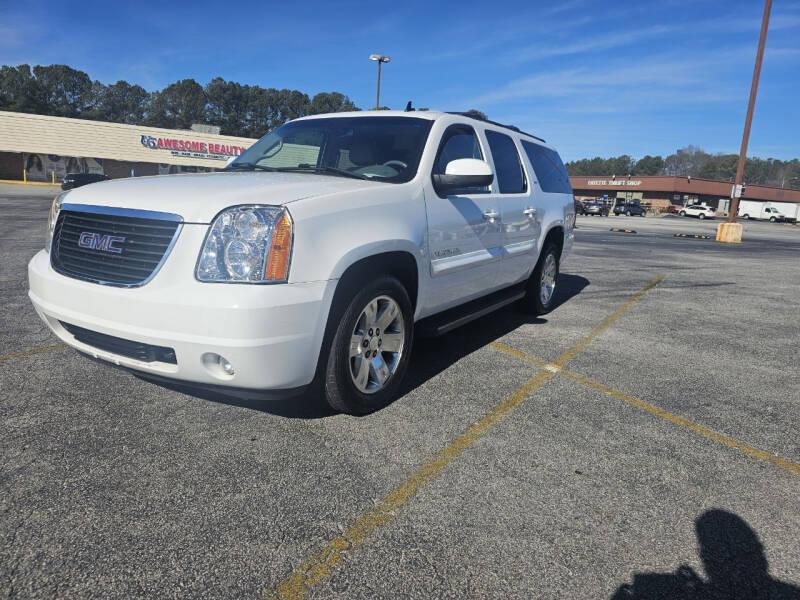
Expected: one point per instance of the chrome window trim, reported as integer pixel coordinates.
(124, 212)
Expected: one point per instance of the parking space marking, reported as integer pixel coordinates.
(321, 564)
(783, 463)
(31, 351)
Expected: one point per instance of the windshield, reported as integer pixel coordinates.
(376, 148)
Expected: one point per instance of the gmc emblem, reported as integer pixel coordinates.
(95, 241)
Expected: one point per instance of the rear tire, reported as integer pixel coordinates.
(363, 377)
(540, 296)
(701, 216)
(628, 214)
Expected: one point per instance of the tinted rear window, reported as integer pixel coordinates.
(549, 169)
(510, 176)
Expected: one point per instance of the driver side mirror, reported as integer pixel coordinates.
(463, 173)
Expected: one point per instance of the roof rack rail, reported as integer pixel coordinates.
(511, 127)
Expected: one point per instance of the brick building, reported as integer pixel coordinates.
(660, 192)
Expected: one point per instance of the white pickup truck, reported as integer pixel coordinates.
(310, 261)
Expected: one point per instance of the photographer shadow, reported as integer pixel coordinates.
(734, 561)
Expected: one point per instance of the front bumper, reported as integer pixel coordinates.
(271, 334)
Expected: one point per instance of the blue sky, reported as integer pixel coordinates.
(594, 78)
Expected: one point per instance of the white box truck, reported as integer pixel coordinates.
(764, 211)
(790, 210)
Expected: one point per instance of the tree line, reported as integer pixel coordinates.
(240, 110)
(693, 161)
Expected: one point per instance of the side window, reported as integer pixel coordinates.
(457, 142)
(510, 176)
(549, 169)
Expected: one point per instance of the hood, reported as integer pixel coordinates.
(198, 197)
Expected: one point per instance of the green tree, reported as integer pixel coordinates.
(67, 91)
(649, 165)
(228, 106)
(20, 91)
(476, 114)
(332, 102)
(178, 105)
(121, 102)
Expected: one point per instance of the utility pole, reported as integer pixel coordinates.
(749, 118)
(380, 59)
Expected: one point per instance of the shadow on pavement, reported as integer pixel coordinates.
(429, 358)
(433, 355)
(734, 561)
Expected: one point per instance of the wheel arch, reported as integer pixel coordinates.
(556, 235)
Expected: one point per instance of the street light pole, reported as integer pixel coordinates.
(749, 118)
(380, 59)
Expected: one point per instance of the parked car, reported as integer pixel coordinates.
(313, 259)
(630, 209)
(595, 208)
(74, 180)
(700, 211)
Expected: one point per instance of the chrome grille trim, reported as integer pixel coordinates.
(89, 270)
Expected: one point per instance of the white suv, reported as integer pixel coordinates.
(313, 258)
(701, 211)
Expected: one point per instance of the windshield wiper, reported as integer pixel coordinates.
(322, 169)
(245, 166)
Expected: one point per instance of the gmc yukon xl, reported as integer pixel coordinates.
(312, 259)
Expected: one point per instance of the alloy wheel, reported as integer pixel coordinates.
(376, 344)
(547, 285)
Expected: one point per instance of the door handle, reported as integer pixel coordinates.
(490, 215)
(529, 211)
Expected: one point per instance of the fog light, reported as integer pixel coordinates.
(226, 366)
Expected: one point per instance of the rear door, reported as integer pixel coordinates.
(464, 229)
(521, 229)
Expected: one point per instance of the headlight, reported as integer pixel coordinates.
(55, 207)
(247, 244)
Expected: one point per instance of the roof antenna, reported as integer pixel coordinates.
(409, 108)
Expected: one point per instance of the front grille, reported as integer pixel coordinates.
(111, 246)
(123, 347)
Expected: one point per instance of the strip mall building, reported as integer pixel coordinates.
(660, 192)
(44, 148)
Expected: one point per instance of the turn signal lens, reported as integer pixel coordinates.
(280, 249)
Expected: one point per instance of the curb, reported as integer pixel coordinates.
(693, 236)
(29, 183)
(618, 230)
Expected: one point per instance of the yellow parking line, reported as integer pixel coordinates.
(321, 564)
(31, 351)
(788, 465)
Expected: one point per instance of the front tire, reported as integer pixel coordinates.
(540, 296)
(772, 219)
(701, 216)
(683, 213)
(370, 350)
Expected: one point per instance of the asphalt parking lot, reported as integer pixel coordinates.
(639, 441)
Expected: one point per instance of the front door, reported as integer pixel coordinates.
(464, 229)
